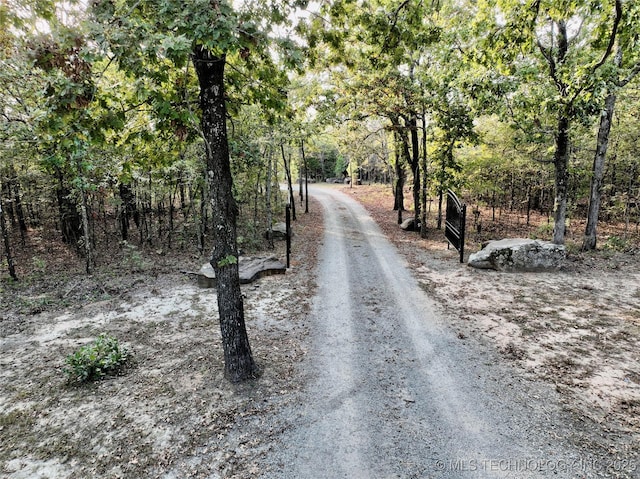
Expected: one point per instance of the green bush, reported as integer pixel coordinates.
(616, 243)
(95, 360)
(542, 232)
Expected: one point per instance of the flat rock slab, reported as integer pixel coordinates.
(251, 268)
(519, 254)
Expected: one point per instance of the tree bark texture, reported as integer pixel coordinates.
(7, 244)
(70, 223)
(287, 171)
(425, 177)
(561, 163)
(86, 234)
(239, 363)
(269, 155)
(398, 204)
(595, 196)
(14, 186)
(415, 165)
(306, 178)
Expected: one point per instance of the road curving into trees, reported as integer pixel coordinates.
(392, 391)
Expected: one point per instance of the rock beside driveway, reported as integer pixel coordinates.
(519, 254)
(250, 269)
(410, 224)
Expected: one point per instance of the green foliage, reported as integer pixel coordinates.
(543, 232)
(227, 261)
(616, 243)
(39, 264)
(131, 257)
(104, 356)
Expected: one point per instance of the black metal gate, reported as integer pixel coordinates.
(455, 223)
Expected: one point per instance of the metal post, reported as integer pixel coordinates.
(288, 232)
(463, 227)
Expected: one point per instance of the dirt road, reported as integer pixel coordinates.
(394, 392)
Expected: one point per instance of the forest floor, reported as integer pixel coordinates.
(171, 414)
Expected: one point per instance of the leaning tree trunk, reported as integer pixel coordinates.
(239, 363)
(589, 241)
(561, 163)
(604, 130)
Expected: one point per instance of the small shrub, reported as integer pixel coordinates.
(39, 265)
(95, 360)
(616, 243)
(542, 232)
(131, 256)
(573, 248)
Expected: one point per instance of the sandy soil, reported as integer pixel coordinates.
(172, 415)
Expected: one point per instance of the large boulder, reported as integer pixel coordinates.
(250, 269)
(410, 224)
(519, 254)
(279, 231)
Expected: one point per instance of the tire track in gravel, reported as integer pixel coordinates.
(393, 392)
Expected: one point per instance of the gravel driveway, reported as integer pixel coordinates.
(394, 392)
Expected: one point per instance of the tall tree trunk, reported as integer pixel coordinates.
(423, 209)
(606, 117)
(86, 233)
(398, 204)
(8, 209)
(440, 201)
(268, 200)
(415, 165)
(201, 219)
(239, 363)
(68, 213)
(6, 242)
(84, 215)
(128, 209)
(17, 201)
(561, 163)
(595, 196)
(256, 198)
(172, 198)
(446, 160)
(300, 191)
(306, 178)
(287, 171)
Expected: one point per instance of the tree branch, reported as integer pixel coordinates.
(634, 72)
(612, 37)
(393, 25)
